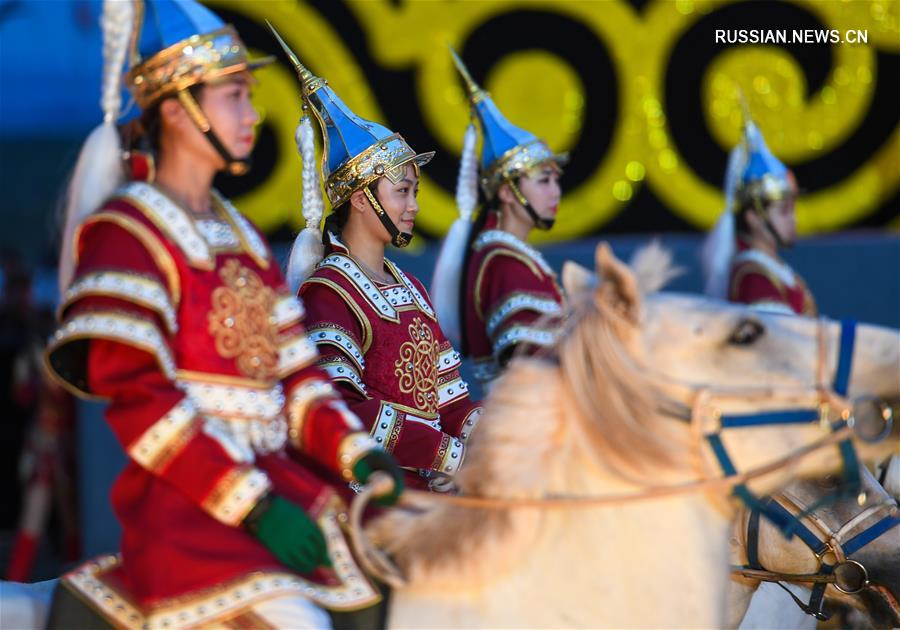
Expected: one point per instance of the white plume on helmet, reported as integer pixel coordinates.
(98, 172)
(445, 284)
(307, 250)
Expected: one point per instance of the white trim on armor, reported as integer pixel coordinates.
(126, 329)
(344, 371)
(779, 269)
(421, 302)
(254, 244)
(471, 421)
(448, 360)
(141, 290)
(301, 398)
(521, 302)
(244, 438)
(489, 237)
(235, 495)
(233, 400)
(448, 392)
(294, 354)
(385, 301)
(519, 333)
(288, 310)
(399, 296)
(384, 425)
(161, 440)
(453, 457)
(347, 267)
(172, 220)
(218, 233)
(341, 339)
(205, 607)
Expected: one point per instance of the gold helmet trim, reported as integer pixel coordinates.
(197, 59)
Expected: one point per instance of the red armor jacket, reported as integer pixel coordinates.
(767, 283)
(514, 297)
(186, 327)
(381, 344)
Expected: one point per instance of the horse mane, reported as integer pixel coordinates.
(595, 396)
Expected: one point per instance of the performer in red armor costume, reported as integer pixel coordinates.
(373, 324)
(741, 254)
(176, 313)
(495, 292)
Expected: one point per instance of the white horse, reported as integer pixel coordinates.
(623, 407)
(837, 524)
(603, 419)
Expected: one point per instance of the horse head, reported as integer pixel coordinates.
(707, 359)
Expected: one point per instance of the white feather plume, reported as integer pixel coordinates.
(307, 250)
(467, 180)
(448, 271)
(98, 172)
(719, 246)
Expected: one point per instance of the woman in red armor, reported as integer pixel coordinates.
(175, 312)
(374, 325)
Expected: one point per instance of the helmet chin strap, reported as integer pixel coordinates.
(764, 216)
(233, 165)
(398, 238)
(539, 222)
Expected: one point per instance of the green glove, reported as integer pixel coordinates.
(285, 529)
(377, 459)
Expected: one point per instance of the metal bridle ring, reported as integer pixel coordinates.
(871, 420)
(850, 577)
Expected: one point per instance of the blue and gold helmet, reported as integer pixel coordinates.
(356, 152)
(179, 43)
(507, 151)
(760, 177)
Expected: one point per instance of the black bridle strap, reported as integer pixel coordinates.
(753, 541)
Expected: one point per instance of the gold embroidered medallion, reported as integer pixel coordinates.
(240, 322)
(417, 366)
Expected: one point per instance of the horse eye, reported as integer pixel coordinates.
(746, 332)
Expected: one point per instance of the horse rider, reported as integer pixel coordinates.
(176, 313)
(494, 290)
(741, 253)
(374, 324)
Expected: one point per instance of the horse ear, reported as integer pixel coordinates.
(577, 279)
(618, 287)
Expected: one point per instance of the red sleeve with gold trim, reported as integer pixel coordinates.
(342, 339)
(754, 286)
(514, 296)
(319, 423)
(114, 343)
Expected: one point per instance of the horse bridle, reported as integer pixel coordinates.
(848, 576)
(831, 551)
(839, 432)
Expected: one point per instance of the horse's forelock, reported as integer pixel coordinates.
(602, 366)
(653, 267)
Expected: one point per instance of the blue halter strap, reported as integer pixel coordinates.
(850, 474)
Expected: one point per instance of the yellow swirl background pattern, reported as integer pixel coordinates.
(414, 35)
